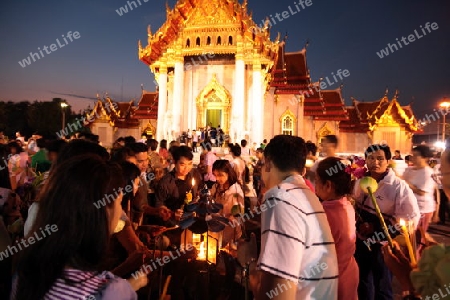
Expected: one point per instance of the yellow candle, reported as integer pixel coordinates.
(408, 242)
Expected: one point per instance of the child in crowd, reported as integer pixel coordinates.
(227, 192)
(332, 188)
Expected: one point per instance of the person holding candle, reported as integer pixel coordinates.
(228, 192)
(432, 276)
(173, 188)
(332, 189)
(395, 200)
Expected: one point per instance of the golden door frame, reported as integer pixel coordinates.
(322, 132)
(214, 96)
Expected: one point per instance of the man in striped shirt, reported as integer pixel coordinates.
(298, 256)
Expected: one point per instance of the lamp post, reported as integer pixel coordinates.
(445, 105)
(63, 105)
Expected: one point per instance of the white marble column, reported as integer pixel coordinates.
(178, 96)
(238, 106)
(191, 98)
(162, 102)
(257, 108)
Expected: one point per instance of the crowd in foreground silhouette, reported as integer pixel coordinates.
(318, 233)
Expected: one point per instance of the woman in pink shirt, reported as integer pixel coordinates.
(332, 186)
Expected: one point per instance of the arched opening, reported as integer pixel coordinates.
(288, 121)
(230, 40)
(287, 125)
(197, 41)
(219, 41)
(188, 43)
(208, 41)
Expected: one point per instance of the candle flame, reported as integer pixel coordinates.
(402, 222)
(193, 181)
(202, 251)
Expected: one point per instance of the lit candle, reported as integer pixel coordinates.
(408, 242)
(193, 182)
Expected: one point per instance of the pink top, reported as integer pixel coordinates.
(310, 185)
(341, 217)
(164, 153)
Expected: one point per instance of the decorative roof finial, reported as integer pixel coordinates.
(307, 43)
(386, 91)
(397, 93)
(149, 30)
(244, 6)
(167, 8)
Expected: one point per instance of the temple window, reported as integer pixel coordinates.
(208, 41)
(197, 41)
(287, 125)
(188, 43)
(287, 121)
(219, 40)
(230, 40)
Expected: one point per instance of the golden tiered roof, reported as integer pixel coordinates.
(198, 27)
(367, 116)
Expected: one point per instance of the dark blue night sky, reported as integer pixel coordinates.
(342, 35)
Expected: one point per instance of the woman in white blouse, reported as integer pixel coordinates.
(420, 180)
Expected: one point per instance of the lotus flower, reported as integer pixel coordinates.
(368, 182)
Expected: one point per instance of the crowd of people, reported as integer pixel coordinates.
(320, 236)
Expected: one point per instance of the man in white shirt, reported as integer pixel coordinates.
(245, 151)
(298, 256)
(329, 145)
(396, 200)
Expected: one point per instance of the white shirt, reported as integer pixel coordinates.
(423, 180)
(238, 165)
(296, 240)
(394, 197)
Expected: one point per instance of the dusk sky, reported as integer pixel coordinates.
(342, 35)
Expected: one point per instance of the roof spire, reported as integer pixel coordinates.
(397, 93)
(386, 91)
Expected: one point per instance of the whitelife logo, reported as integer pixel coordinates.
(411, 38)
(124, 9)
(53, 47)
(30, 239)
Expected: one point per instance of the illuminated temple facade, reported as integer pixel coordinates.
(214, 65)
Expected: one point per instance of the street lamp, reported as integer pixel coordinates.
(63, 105)
(444, 105)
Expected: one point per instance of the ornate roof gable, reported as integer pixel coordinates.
(194, 27)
